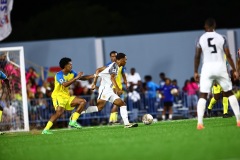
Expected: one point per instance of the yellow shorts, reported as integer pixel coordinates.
(64, 102)
(217, 89)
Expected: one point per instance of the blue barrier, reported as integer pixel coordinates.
(40, 110)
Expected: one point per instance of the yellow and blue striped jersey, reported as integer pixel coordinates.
(59, 89)
(119, 78)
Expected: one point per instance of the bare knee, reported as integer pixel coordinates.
(119, 102)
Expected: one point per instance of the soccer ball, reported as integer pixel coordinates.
(147, 119)
(174, 91)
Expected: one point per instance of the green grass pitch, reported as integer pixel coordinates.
(175, 140)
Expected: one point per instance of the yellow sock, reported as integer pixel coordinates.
(111, 117)
(212, 102)
(48, 126)
(115, 116)
(0, 115)
(75, 116)
(225, 105)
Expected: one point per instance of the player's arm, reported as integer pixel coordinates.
(230, 61)
(68, 83)
(96, 76)
(197, 59)
(87, 77)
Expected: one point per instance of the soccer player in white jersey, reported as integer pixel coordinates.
(213, 46)
(108, 80)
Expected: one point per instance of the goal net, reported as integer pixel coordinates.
(14, 103)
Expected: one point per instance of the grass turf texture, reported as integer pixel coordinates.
(163, 140)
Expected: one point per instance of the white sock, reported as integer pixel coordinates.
(90, 109)
(170, 116)
(124, 114)
(235, 106)
(163, 117)
(201, 105)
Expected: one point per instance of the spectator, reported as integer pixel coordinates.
(134, 79)
(134, 97)
(31, 74)
(167, 98)
(77, 89)
(9, 115)
(162, 79)
(191, 89)
(151, 92)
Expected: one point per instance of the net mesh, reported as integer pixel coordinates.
(13, 117)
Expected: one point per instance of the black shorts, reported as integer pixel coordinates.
(167, 104)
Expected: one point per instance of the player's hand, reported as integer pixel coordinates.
(79, 75)
(126, 85)
(236, 75)
(196, 77)
(93, 86)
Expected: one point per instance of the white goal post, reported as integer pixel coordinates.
(19, 63)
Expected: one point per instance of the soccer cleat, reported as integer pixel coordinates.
(209, 113)
(74, 124)
(46, 132)
(1, 133)
(238, 123)
(226, 115)
(200, 126)
(131, 125)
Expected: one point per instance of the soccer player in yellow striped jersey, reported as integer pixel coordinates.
(217, 90)
(61, 98)
(120, 76)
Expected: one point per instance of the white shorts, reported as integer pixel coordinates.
(107, 94)
(214, 72)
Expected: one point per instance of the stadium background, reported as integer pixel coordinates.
(172, 53)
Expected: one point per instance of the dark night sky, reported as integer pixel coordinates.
(53, 19)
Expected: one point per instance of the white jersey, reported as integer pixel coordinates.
(214, 63)
(106, 75)
(212, 45)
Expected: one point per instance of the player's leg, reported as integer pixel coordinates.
(205, 86)
(214, 99)
(234, 104)
(201, 105)
(114, 112)
(54, 117)
(225, 108)
(170, 111)
(79, 103)
(164, 111)
(123, 110)
(1, 111)
(226, 85)
(113, 115)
